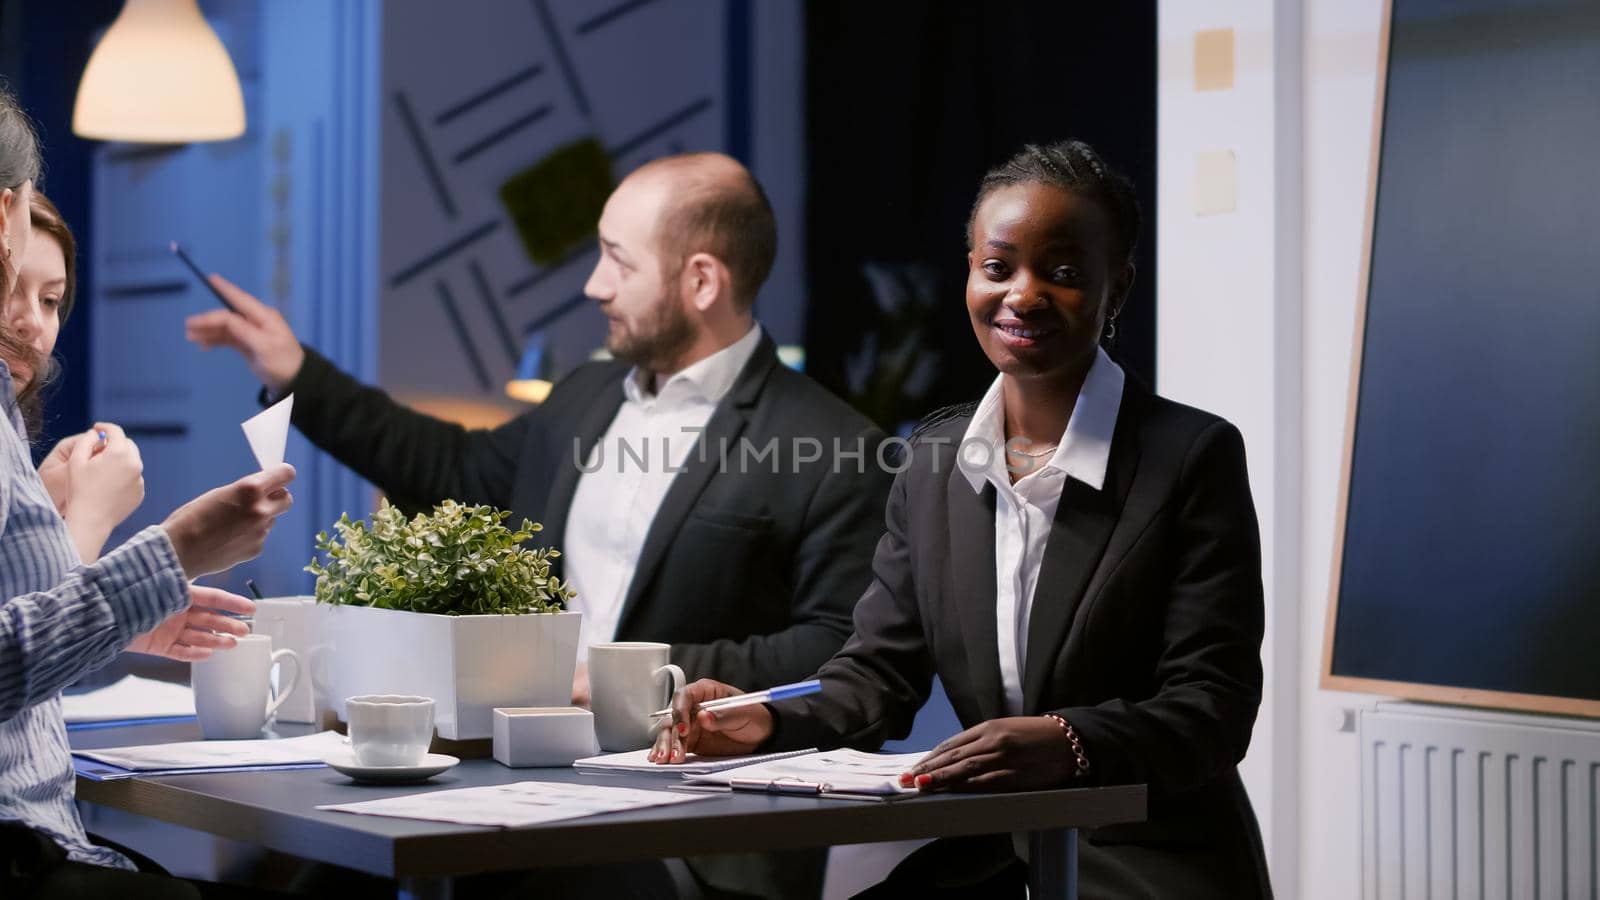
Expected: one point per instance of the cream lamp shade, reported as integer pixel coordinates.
(532, 383)
(160, 76)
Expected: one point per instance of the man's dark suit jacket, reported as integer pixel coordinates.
(750, 575)
(1145, 635)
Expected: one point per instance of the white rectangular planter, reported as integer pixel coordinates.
(468, 664)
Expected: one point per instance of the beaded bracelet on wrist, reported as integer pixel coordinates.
(1080, 761)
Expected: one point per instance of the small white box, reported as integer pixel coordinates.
(543, 735)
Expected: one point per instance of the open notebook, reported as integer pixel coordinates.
(841, 773)
(638, 761)
(845, 773)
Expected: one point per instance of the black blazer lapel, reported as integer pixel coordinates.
(705, 460)
(591, 425)
(972, 585)
(1083, 524)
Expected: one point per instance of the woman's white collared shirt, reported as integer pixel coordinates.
(1024, 511)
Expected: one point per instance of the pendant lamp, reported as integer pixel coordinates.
(161, 76)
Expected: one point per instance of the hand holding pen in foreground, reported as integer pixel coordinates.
(770, 695)
(726, 732)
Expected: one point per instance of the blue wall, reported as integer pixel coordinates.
(46, 67)
(292, 202)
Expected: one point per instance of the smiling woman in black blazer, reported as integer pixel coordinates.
(1076, 558)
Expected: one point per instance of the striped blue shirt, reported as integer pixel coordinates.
(60, 619)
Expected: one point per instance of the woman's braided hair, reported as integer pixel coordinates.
(1073, 166)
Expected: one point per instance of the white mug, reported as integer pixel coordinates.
(232, 689)
(389, 729)
(625, 687)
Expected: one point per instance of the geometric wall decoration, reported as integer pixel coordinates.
(477, 104)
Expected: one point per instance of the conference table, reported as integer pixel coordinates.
(277, 810)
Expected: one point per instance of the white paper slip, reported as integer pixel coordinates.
(825, 772)
(203, 755)
(515, 805)
(639, 761)
(268, 432)
(129, 699)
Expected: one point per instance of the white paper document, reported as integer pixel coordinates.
(829, 771)
(204, 755)
(129, 699)
(268, 432)
(639, 761)
(515, 805)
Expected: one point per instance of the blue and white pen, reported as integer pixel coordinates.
(770, 695)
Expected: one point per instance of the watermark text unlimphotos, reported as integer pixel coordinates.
(647, 454)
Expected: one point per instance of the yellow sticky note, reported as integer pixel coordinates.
(1213, 59)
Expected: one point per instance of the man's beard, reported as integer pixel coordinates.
(658, 340)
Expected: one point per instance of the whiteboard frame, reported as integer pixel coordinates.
(1539, 703)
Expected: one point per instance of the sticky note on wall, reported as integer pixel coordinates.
(1216, 183)
(1213, 59)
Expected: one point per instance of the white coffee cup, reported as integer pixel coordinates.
(625, 687)
(233, 689)
(389, 729)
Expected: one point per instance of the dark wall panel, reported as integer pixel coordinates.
(909, 103)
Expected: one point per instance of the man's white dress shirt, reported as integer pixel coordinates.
(627, 475)
(1023, 511)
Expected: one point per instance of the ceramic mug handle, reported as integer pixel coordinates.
(675, 680)
(278, 657)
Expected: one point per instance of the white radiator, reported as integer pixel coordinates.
(1464, 804)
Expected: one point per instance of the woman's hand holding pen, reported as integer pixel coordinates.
(729, 732)
(105, 478)
(95, 479)
(77, 451)
(1020, 753)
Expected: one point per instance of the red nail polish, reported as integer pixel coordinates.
(907, 779)
(924, 780)
(683, 727)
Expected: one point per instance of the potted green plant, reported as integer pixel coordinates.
(448, 605)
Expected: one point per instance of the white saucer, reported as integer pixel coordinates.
(345, 763)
